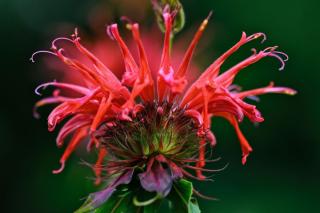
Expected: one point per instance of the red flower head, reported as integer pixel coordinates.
(153, 128)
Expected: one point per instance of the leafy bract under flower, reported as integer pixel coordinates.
(157, 126)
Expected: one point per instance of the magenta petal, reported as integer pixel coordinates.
(157, 179)
(98, 198)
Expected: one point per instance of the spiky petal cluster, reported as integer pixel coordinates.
(107, 101)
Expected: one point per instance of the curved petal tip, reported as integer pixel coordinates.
(57, 171)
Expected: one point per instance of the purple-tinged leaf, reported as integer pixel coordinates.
(98, 198)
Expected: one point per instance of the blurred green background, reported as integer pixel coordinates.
(282, 174)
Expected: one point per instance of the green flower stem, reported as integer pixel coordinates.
(147, 202)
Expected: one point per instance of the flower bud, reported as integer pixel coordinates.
(175, 7)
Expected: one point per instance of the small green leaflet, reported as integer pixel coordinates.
(193, 206)
(181, 200)
(117, 203)
(152, 208)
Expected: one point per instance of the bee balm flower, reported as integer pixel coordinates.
(151, 130)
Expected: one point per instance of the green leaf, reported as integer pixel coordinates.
(180, 196)
(119, 202)
(181, 200)
(193, 206)
(153, 208)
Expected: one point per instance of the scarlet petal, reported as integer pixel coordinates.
(76, 139)
(210, 75)
(211, 72)
(103, 107)
(57, 171)
(73, 87)
(46, 101)
(199, 174)
(245, 146)
(268, 89)
(195, 115)
(211, 137)
(98, 165)
(132, 69)
(144, 86)
(73, 124)
(59, 113)
(165, 64)
(177, 81)
(202, 152)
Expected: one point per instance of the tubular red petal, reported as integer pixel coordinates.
(188, 55)
(179, 79)
(202, 151)
(144, 86)
(205, 108)
(268, 89)
(165, 58)
(212, 139)
(221, 108)
(213, 70)
(227, 77)
(73, 87)
(103, 107)
(197, 117)
(98, 166)
(76, 139)
(107, 78)
(46, 101)
(132, 69)
(199, 174)
(245, 146)
(57, 171)
(59, 113)
(108, 81)
(73, 124)
(88, 74)
(70, 107)
(105, 72)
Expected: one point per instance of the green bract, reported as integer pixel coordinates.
(173, 5)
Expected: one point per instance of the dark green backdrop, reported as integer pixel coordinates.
(282, 174)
